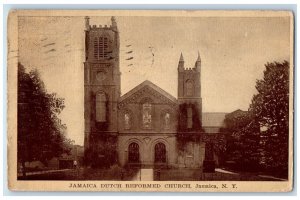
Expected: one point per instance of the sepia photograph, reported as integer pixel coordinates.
(186, 101)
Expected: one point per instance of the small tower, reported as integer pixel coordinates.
(189, 95)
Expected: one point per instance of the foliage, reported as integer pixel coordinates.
(182, 127)
(104, 154)
(259, 137)
(219, 146)
(242, 140)
(271, 108)
(41, 135)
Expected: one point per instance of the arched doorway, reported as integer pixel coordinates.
(160, 153)
(133, 153)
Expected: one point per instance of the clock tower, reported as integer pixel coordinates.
(101, 83)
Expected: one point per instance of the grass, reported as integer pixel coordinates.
(198, 175)
(119, 174)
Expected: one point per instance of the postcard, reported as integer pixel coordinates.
(149, 100)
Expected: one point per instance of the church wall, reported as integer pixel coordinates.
(158, 125)
(147, 144)
(191, 154)
(161, 129)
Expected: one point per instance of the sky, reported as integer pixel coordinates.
(233, 52)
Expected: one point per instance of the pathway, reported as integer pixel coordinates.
(143, 175)
(272, 177)
(224, 171)
(44, 172)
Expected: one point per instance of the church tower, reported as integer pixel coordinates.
(101, 83)
(189, 96)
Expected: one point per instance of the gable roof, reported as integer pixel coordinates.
(151, 85)
(213, 119)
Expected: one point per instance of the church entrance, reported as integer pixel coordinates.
(133, 153)
(160, 153)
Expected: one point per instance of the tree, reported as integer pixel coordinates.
(40, 131)
(104, 155)
(260, 136)
(271, 108)
(243, 140)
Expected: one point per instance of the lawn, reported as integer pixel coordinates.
(198, 175)
(119, 174)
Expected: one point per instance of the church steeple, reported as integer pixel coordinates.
(181, 63)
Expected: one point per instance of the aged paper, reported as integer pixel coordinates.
(175, 101)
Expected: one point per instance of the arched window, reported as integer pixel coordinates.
(100, 48)
(189, 117)
(160, 153)
(147, 115)
(127, 121)
(133, 153)
(101, 107)
(189, 88)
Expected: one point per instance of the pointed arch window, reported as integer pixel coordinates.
(189, 88)
(101, 47)
(101, 107)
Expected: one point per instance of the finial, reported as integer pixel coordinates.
(113, 21)
(198, 62)
(87, 23)
(181, 57)
(198, 59)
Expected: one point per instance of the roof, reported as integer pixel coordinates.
(213, 119)
(151, 85)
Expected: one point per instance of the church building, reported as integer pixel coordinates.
(146, 126)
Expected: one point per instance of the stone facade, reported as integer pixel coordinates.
(146, 126)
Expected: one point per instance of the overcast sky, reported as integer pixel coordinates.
(233, 52)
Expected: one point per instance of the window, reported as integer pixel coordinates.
(133, 153)
(96, 48)
(100, 48)
(127, 121)
(189, 88)
(147, 117)
(189, 117)
(160, 153)
(100, 107)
